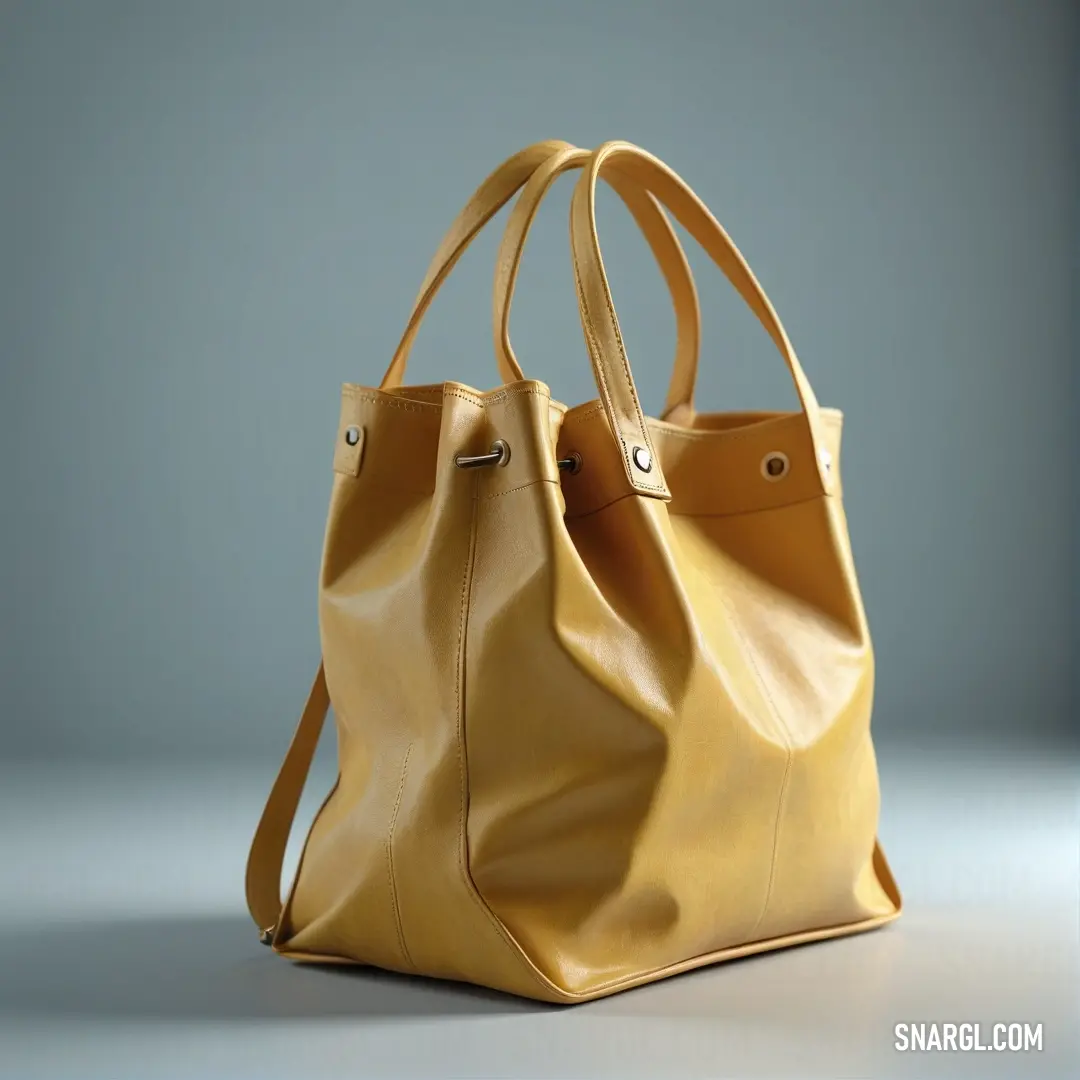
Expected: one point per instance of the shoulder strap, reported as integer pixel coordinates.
(267, 854)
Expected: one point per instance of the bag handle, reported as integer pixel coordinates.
(486, 202)
(601, 326)
(488, 199)
(661, 237)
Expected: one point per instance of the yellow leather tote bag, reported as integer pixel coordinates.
(602, 683)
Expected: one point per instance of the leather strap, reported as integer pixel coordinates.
(601, 326)
(267, 854)
(661, 237)
(486, 202)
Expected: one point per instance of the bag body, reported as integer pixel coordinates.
(602, 683)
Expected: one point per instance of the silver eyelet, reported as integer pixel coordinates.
(775, 466)
(570, 464)
(642, 458)
(352, 435)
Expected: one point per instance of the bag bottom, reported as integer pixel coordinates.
(559, 996)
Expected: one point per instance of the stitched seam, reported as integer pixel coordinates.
(596, 349)
(498, 398)
(503, 395)
(393, 403)
(589, 513)
(465, 397)
(431, 391)
(642, 428)
(390, 861)
(571, 421)
(718, 436)
(590, 334)
(781, 803)
(411, 405)
(754, 510)
(747, 949)
(615, 427)
(520, 487)
(781, 728)
(463, 767)
(766, 423)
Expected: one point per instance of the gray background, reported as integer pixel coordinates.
(213, 213)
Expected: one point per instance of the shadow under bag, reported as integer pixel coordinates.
(602, 682)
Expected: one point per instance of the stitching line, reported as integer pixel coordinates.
(753, 509)
(426, 396)
(709, 514)
(719, 437)
(571, 419)
(720, 955)
(520, 487)
(412, 405)
(393, 403)
(754, 428)
(504, 395)
(642, 427)
(781, 803)
(781, 727)
(390, 861)
(590, 334)
(589, 513)
(464, 397)
(470, 885)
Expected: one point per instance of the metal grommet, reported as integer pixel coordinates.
(775, 465)
(352, 435)
(642, 458)
(503, 448)
(571, 463)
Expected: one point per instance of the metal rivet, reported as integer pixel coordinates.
(775, 465)
(642, 458)
(352, 435)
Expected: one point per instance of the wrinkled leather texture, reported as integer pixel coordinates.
(594, 727)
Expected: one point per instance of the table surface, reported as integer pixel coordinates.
(126, 951)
